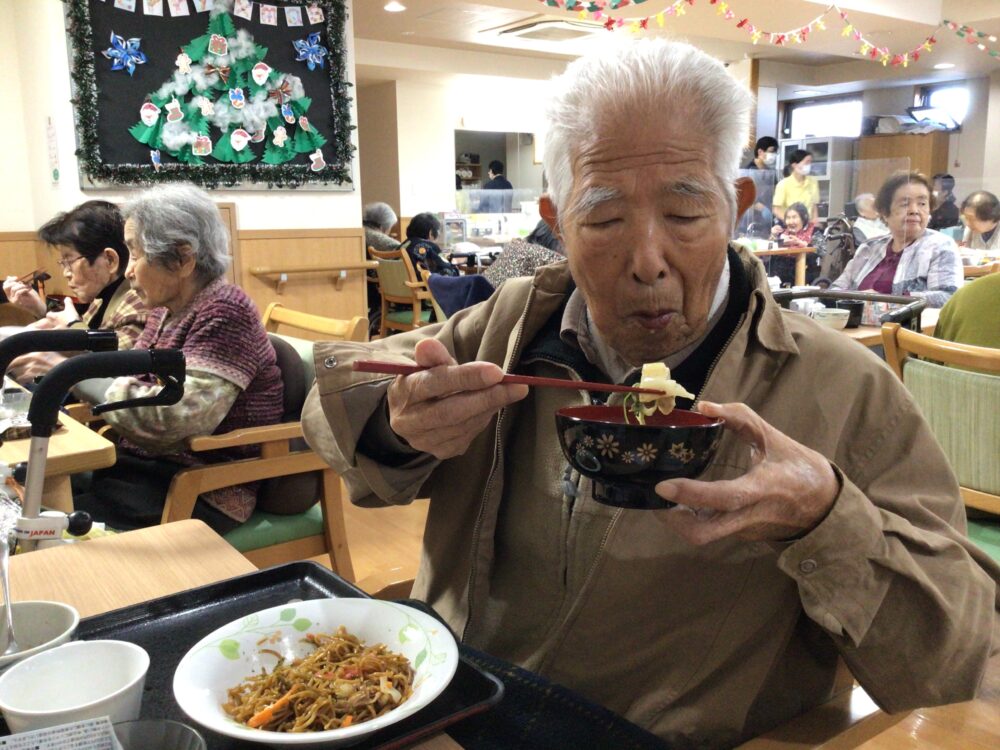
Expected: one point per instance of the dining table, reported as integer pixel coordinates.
(800, 254)
(872, 335)
(73, 448)
(108, 573)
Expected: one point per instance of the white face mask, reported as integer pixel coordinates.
(803, 169)
(770, 159)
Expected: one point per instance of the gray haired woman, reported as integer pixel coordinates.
(178, 252)
(378, 219)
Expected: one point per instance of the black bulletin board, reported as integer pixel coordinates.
(107, 102)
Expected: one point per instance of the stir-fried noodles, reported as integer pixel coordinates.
(342, 682)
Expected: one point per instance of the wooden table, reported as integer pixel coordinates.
(103, 574)
(112, 572)
(800, 254)
(872, 335)
(72, 448)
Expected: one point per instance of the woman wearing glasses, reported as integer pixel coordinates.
(90, 241)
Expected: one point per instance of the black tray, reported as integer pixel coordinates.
(169, 626)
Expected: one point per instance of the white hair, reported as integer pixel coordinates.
(644, 78)
(167, 217)
(863, 200)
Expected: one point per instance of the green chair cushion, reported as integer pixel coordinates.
(406, 316)
(961, 408)
(986, 534)
(266, 529)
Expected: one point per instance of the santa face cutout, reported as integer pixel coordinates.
(239, 139)
(174, 113)
(202, 146)
(149, 113)
(260, 73)
(316, 157)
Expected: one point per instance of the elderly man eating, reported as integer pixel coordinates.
(829, 523)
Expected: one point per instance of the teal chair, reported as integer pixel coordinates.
(300, 506)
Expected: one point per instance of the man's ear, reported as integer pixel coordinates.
(550, 214)
(114, 262)
(746, 193)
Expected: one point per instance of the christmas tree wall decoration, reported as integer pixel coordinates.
(223, 100)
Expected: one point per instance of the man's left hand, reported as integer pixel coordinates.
(787, 492)
(27, 367)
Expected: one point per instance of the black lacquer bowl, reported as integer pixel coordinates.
(626, 460)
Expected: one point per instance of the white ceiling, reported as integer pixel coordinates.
(826, 62)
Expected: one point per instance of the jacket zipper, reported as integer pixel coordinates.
(711, 369)
(493, 469)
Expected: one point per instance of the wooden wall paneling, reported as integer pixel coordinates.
(927, 153)
(23, 252)
(231, 220)
(314, 292)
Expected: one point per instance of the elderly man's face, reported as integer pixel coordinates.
(646, 229)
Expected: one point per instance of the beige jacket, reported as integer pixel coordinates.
(702, 645)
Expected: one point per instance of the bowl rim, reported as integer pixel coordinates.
(144, 656)
(713, 421)
(36, 604)
(355, 731)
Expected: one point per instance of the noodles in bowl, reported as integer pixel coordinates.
(342, 682)
(301, 669)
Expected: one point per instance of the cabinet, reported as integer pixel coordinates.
(831, 166)
(470, 174)
(881, 155)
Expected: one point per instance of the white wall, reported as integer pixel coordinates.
(16, 209)
(42, 66)
(891, 101)
(767, 111)
(522, 171)
(426, 148)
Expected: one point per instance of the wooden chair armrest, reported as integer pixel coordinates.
(416, 284)
(81, 412)
(248, 436)
(394, 583)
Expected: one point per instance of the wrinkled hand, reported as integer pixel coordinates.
(788, 491)
(62, 319)
(23, 295)
(441, 410)
(776, 231)
(27, 367)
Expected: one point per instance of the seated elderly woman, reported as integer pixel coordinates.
(521, 257)
(377, 220)
(981, 214)
(912, 259)
(421, 243)
(178, 253)
(92, 255)
(797, 232)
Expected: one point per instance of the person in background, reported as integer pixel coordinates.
(972, 315)
(797, 186)
(178, 254)
(758, 220)
(377, 220)
(798, 232)
(421, 243)
(500, 195)
(912, 259)
(521, 257)
(93, 257)
(981, 214)
(827, 527)
(869, 223)
(945, 213)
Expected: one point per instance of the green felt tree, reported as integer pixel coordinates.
(222, 93)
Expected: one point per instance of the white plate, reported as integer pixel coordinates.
(226, 657)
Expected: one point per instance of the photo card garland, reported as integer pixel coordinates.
(221, 100)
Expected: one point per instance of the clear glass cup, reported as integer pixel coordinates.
(158, 734)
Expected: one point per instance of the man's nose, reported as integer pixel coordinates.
(649, 260)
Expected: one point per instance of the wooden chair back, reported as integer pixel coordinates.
(277, 315)
(399, 285)
(438, 312)
(954, 401)
(974, 272)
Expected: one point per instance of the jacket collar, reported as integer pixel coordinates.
(553, 284)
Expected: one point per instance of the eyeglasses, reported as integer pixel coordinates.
(66, 265)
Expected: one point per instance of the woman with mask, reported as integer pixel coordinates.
(798, 186)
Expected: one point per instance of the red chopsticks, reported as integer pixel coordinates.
(394, 368)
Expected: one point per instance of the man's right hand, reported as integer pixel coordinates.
(24, 296)
(440, 410)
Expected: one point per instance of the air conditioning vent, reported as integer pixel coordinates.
(551, 30)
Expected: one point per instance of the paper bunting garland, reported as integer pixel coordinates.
(598, 10)
(310, 51)
(125, 55)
